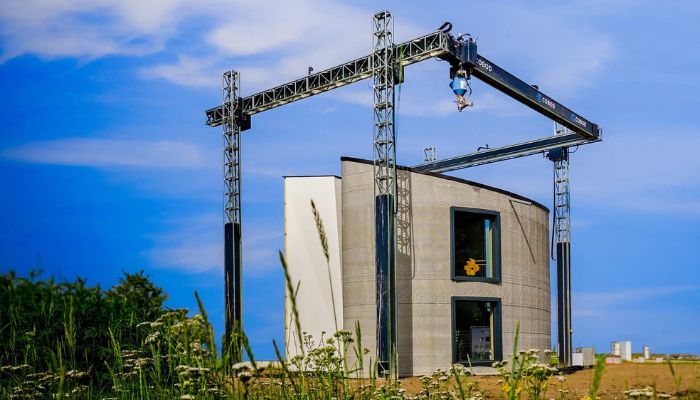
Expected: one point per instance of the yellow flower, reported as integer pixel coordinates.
(471, 267)
(505, 388)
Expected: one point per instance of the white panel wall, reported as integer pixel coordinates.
(305, 258)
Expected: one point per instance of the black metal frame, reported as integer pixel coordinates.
(532, 97)
(232, 289)
(496, 335)
(496, 245)
(509, 152)
(564, 344)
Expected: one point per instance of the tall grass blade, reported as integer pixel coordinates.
(597, 376)
(293, 300)
(285, 369)
(246, 345)
(211, 343)
(324, 245)
(677, 378)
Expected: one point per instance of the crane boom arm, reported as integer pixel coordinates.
(437, 44)
(507, 83)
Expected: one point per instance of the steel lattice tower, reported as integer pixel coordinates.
(562, 239)
(384, 139)
(232, 210)
(383, 72)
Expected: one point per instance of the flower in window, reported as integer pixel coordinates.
(471, 267)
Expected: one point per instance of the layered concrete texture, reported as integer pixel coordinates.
(319, 294)
(425, 288)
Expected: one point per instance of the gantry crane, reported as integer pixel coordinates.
(385, 66)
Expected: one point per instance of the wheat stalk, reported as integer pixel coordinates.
(324, 245)
(321, 230)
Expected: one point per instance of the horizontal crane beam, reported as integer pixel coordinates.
(439, 44)
(504, 153)
(507, 83)
(433, 45)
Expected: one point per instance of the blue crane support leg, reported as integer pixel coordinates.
(232, 290)
(385, 278)
(564, 302)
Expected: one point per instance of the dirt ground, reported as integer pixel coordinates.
(616, 379)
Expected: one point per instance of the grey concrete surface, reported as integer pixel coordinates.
(424, 283)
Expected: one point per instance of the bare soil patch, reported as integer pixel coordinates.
(616, 379)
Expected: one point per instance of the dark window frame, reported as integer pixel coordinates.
(496, 335)
(496, 227)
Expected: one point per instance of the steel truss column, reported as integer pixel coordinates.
(562, 239)
(383, 71)
(232, 211)
(383, 68)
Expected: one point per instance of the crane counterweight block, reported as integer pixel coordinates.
(216, 115)
(559, 153)
(244, 120)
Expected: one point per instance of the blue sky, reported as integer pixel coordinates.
(106, 164)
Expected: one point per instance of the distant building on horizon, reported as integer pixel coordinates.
(622, 349)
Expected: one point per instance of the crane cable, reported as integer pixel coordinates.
(554, 214)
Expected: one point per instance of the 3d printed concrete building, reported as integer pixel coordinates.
(471, 261)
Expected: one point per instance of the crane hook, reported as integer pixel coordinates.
(462, 90)
(446, 27)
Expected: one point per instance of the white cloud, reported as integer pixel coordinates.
(87, 29)
(568, 51)
(649, 170)
(624, 296)
(110, 153)
(425, 99)
(586, 50)
(641, 171)
(255, 27)
(191, 245)
(195, 245)
(499, 104)
(189, 258)
(187, 71)
(271, 44)
(592, 304)
(576, 70)
(408, 106)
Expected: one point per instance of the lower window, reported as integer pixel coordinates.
(476, 330)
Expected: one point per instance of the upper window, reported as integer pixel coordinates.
(475, 245)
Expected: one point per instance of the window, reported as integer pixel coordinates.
(475, 245)
(476, 326)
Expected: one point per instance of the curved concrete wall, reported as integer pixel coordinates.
(424, 285)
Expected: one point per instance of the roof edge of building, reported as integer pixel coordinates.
(311, 176)
(455, 179)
